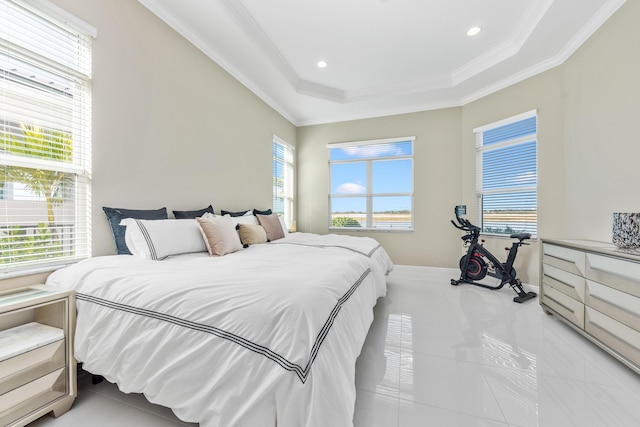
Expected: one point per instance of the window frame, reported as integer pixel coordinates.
(369, 195)
(505, 144)
(289, 186)
(47, 121)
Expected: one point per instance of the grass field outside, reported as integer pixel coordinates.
(380, 220)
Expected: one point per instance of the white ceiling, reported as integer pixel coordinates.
(384, 56)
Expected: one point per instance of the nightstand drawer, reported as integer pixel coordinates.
(31, 365)
(614, 334)
(567, 307)
(23, 400)
(563, 281)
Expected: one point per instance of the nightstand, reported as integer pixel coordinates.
(37, 367)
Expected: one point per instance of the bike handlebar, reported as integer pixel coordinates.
(457, 226)
(465, 224)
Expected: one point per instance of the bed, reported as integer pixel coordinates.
(265, 336)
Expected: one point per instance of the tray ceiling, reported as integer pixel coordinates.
(383, 56)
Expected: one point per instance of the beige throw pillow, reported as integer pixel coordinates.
(271, 224)
(252, 234)
(220, 235)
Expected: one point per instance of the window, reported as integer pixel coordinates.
(507, 175)
(45, 131)
(371, 184)
(283, 187)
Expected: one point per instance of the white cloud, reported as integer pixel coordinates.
(351, 188)
(376, 150)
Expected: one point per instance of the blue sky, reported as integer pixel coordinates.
(388, 176)
(510, 167)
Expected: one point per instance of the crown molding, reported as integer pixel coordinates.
(417, 108)
(316, 90)
(506, 49)
(473, 68)
(601, 16)
(500, 53)
(249, 24)
(215, 56)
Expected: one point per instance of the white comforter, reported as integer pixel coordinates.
(264, 336)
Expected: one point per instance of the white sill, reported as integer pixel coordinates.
(28, 271)
(375, 230)
(505, 237)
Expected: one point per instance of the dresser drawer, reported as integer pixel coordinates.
(564, 305)
(618, 305)
(618, 273)
(614, 334)
(563, 281)
(33, 364)
(25, 399)
(563, 258)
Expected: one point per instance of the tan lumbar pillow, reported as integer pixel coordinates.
(252, 234)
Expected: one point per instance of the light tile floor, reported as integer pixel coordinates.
(441, 355)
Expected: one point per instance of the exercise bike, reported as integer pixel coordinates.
(478, 262)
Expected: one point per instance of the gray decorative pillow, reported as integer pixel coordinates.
(115, 215)
(234, 214)
(267, 212)
(272, 226)
(192, 214)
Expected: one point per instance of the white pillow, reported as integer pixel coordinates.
(219, 235)
(160, 238)
(208, 215)
(248, 218)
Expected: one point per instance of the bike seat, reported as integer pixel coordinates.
(521, 236)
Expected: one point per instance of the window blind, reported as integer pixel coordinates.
(507, 175)
(45, 137)
(283, 180)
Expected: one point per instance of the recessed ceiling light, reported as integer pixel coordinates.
(473, 31)
(322, 64)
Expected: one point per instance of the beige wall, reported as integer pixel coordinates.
(437, 187)
(544, 93)
(170, 127)
(602, 117)
(588, 151)
(444, 166)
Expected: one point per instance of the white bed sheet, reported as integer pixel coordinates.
(265, 336)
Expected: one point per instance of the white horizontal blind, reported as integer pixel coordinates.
(371, 184)
(283, 179)
(507, 175)
(45, 135)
